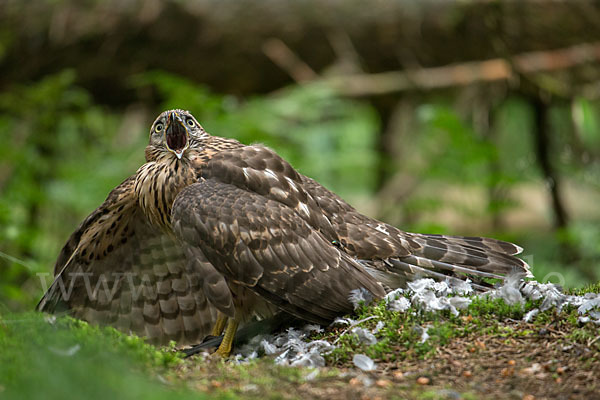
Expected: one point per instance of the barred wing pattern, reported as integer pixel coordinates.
(265, 246)
(262, 225)
(117, 269)
(395, 256)
(210, 224)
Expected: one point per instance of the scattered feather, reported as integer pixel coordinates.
(584, 320)
(534, 290)
(460, 302)
(363, 362)
(359, 297)
(589, 304)
(460, 287)
(401, 305)
(394, 295)
(442, 288)
(421, 285)
(310, 328)
(311, 359)
(294, 347)
(379, 326)
(553, 298)
(70, 352)
(530, 315)
(343, 321)
(510, 291)
(422, 330)
(268, 348)
(364, 336)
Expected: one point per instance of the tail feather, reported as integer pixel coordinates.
(440, 265)
(458, 251)
(478, 242)
(452, 257)
(412, 272)
(452, 253)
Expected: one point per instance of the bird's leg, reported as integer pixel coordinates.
(226, 345)
(219, 324)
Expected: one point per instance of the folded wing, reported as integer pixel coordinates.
(266, 246)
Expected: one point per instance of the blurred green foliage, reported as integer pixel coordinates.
(63, 153)
(54, 170)
(500, 161)
(322, 135)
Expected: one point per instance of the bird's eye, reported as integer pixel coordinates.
(158, 128)
(191, 123)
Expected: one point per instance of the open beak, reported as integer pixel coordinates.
(178, 137)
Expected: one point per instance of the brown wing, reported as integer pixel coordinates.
(395, 256)
(360, 236)
(117, 269)
(392, 255)
(268, 247)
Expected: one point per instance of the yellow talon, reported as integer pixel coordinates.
(219, 325)
(226, 345)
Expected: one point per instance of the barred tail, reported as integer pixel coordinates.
(453, 257)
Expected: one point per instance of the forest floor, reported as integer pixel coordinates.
(486, 351)
(544, 363)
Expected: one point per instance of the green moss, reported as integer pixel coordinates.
(67, 358)
(590, 288)
(400, 338)
(70, 358)
(485, 307)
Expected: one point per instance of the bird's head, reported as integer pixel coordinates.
(172, 134)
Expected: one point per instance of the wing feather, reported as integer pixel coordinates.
(312, 281)
(117, 269)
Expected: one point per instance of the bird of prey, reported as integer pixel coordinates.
(210, 232)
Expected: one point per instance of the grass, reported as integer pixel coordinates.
(400, 338)
(484, 350)
(590, 288)
(71, 359)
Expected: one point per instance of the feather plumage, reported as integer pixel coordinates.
(216, 225)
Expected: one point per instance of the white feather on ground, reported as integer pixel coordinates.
(293, 347)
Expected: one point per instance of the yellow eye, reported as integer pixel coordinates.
(191, 123)
(158, 128)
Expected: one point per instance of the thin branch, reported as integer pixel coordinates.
(288, 61)
(461, 74)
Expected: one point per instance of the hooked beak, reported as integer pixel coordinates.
(177, 135)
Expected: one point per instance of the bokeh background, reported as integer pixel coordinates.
(458, 117)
